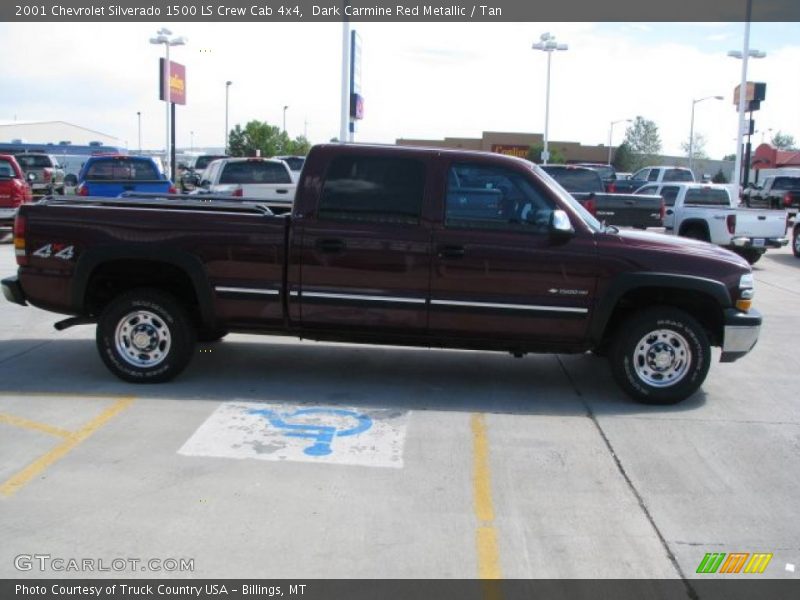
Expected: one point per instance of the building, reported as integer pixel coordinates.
(767, 157)
(518, 144)
(54, 132)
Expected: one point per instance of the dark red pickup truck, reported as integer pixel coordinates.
(389, 245)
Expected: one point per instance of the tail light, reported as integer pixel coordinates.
(787, 200)
(20, 224)
(662, 210)
(591, 206)
(730, 221)
(82, 190)
(172, 190)
(611, 187)
(48, 174)
(18, 192)
(238, 192)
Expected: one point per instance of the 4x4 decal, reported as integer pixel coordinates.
(61, 251)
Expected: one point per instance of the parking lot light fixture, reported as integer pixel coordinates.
(284, 118)
(611, 134)
(164, 38)
(548, 44)
(691, 127)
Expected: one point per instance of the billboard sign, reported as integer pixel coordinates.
(756, 94)
(177, 80)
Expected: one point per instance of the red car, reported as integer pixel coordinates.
(14, 190)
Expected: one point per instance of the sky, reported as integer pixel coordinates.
(427, 80)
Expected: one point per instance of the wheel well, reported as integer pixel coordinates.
(112, 278)
(698, 225)
(703, 307)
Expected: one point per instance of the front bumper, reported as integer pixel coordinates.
(12, 290)
(740, 333)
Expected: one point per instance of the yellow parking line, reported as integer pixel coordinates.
(486, 535)
(20, 479)
(33, 425)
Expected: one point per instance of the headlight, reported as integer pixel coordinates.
(747, 291)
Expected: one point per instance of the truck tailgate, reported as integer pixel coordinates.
(111, 189)
(625, 210)
(757, 223)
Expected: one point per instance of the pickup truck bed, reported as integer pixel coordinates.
(388, 245)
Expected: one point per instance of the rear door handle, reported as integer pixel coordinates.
(282, 191)
(451, 251)
(330, 246)
(630, 202)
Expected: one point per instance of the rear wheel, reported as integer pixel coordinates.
(695, 233)
(660, 356)
(751, 255)
(145, 336)
(796, 241)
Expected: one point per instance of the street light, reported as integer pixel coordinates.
(139, 119)
(611, 133)
(191, 141)
(547, 44)
(743, 56)
(691, 127)
(227, 88)
(284, 118)
(163, 38)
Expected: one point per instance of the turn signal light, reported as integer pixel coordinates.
(744, 304)
(19, 240)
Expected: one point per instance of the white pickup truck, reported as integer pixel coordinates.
(708, 212)
(261, 178)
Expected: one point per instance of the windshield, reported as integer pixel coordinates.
(116, 169)
(707, 197)
(6, 170)
(33, 161)
(787, 183)
(255, 171)
(295, 162)
(566, 198)
(203, 161)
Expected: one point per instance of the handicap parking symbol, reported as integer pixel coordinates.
(352, 422)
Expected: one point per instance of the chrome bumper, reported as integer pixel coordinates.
(740, 334)
(749, 242)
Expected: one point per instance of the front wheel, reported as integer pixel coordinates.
(145, 336)
(660, 356)
(751, 255)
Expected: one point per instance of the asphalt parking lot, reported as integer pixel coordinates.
(272, 457)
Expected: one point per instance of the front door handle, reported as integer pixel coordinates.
(670, 211)
(331, 246)
(451, 251)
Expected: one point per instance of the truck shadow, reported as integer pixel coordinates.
(268, 369)
(790, 260)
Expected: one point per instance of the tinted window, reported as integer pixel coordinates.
(6, 169)
(203, 161)
(653, 176)
(786, 183)
(678, 175)
(117, 169)
(669, 193)
(254, 171)
(32, 161)
(707, 197)
(640, 175)
(576, 180)
(295, 163)
(373, 189)
(605, 172)
(481, 197)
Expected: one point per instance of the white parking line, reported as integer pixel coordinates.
(307, 433)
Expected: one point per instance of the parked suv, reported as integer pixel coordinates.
(43, 173)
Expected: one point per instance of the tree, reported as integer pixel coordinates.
(643, 140)
(729, 157)
(623, 158)
(783, 141)
(698, 148)
(535, 154)
(269, 139)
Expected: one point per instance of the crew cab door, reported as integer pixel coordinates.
(498, 274)
(364, 252)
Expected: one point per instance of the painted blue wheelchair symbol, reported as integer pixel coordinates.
(322, 434)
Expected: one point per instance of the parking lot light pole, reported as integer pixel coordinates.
(691, 127)
(547, 44)
(163, 38)
(284, 118)
(227, 89)
(611, 135)
(139, 119)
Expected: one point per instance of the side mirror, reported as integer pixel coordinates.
(560, 225)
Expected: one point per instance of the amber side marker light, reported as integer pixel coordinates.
(747, 292)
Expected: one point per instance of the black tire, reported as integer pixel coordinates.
(210, 335)
(682, 341)
(695, 233)
(751, 255)
(796, 241)
(160, 318)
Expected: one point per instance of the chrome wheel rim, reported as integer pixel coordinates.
(662, 358)
(142, 339)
